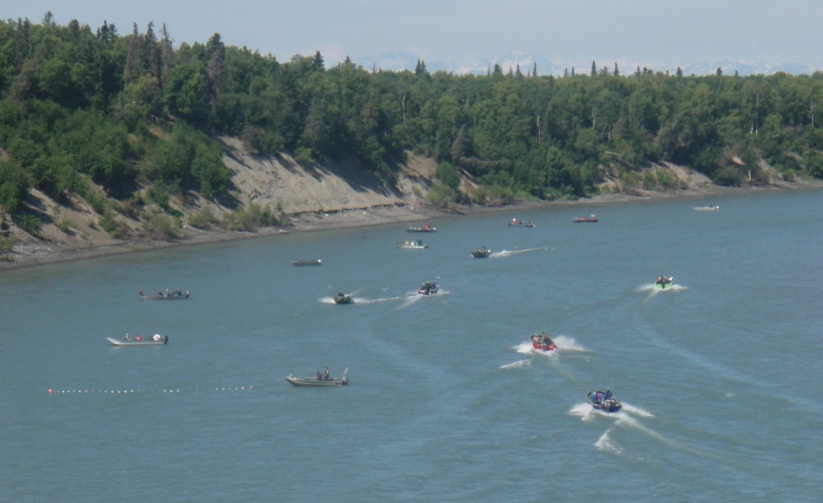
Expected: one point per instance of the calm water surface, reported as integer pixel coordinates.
(445, 402)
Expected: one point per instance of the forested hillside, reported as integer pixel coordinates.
(84, 108)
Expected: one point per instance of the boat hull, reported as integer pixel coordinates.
(542, 342)
(145, 342)
(344, 299)
(302, 263)
(666, 284)
(170, 296)
(481, 253)
(317, 383)
(608, 406)
(428, 289)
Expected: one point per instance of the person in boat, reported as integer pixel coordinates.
(483, 248)
(326, 374)
(318, 376)
(127, 337)
(140, 293)
(608, 395)
(139, 337)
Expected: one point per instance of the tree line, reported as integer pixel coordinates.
(131, 111)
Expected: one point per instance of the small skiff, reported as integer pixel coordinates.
(157, 340)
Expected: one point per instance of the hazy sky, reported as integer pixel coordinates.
(654, 33)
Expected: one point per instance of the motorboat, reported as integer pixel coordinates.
(319, 380)
(342, 298)
(604, 401)
(542, 342)
(412, 245)
(589, 219)
(425, 228)
(520, 223)
(164, 295)
(156, 340)
(710, 207)
(664, 282)
(482, 252)
(428, 288)
(310, 261)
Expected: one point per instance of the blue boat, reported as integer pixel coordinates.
(603, 400)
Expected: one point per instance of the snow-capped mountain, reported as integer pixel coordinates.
(397, 61)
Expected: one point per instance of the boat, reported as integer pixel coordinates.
(309, 261)
(428, 288)
(342, 298)
(664, 282)
(604, 401)
(319, 380)
(542, 342)
(710, 207)
(412, 245)
(481, 252)
(589, 219)
(165, 295)
(425, 228)
(157, 340)
(520, 223)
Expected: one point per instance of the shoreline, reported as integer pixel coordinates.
(45, 253)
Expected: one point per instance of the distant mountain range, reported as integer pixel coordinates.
(396, 61)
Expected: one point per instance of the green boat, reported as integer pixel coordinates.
(664, 282)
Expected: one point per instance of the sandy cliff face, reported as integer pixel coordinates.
(308, 194)
(281, 182)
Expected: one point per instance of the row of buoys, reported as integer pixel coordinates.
(124, 391)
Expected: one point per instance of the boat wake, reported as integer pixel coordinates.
(362, 300)
(584, 411)
(567, 343)
(508, 253)
(516, 365)
(606, 444)
(650, 288)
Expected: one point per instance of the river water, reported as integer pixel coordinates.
(445, 402)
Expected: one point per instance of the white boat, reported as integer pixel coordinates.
(157, 340)
(710, 207)
(319, 380)
(412, 245)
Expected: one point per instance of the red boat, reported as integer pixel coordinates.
(542, 342)
(592, 218)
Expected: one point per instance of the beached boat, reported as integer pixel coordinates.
(342, 298)
(308, 261)
(319, 380)
(428, 288)
(604, 401)
(589, 219)
(165, 295)
(542, 342)
(664, 282)
(157, 340)
(482, 252)
(412, 245)
(425, 228)
(520, 223)
(710, 207)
